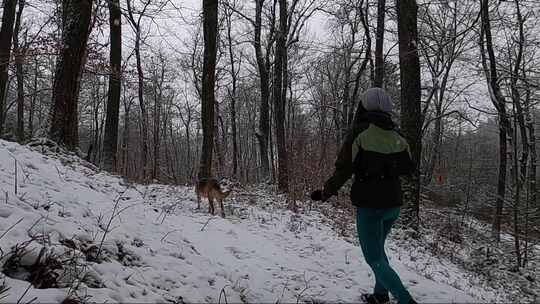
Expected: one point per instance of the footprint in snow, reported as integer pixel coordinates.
(5, 212)
(237, 253)
(339, 273)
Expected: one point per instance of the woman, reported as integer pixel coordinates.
(377, 155)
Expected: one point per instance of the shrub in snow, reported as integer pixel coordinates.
(41, 268)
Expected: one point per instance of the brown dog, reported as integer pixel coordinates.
(210, 189)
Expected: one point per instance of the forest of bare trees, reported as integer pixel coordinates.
(265, 91)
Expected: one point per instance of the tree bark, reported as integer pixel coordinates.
(19, 61)
(264, 79)
(279, 102)
(64, 115)
(140, 89)
(125, 138)
(532, 170)
(520, 170)
(232, 96)
(486, 45)
(218, 146)
(516, 98)
(210, 16)
(158, 99)
(6, 35)
(33, 100)
(409, 64)
(234, 134)
(110, 140)
(379, 45)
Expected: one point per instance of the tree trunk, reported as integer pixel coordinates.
(234, 140)
(264, 78)
(33, 101)
(140, 89)
(409, 64)
(379, 44)
(232, 96)
(217, 144)
(516, 98)
(158, 98)
(210, 16)
(436, 144)
(486, 45)
(189, 158)
(279, 102)
(520, 170)
(125, 139)
(517, 193)
(6, 35)
(142, 106)
(64, 115)
(95, 123)
(110, 140)
(532, 171)
(19, 61)
(187, 126)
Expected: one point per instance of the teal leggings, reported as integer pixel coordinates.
(373, 226)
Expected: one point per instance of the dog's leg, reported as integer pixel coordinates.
(211, 209)
(222, 210)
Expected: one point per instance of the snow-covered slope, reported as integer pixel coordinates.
(91, 236)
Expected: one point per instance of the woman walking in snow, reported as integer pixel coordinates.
(377, 155)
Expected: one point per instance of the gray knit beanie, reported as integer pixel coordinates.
(376, 99)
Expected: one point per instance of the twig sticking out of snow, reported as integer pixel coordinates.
(113, 216)
(24, 293)
(223, 292)
(206, 223)
(167, 234)
(26, 174)
(11, 227)
(4, 289)
(59, 174)
(15, 176)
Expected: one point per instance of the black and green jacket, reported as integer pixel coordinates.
(377, 155)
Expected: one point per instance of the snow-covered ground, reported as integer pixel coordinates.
(91, 236)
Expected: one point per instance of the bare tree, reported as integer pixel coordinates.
(6, 34)
(279, 101)
(263, 64)
(379, 44)
(444, 40)
(64, 114)
(19, 52)
(489, 62)
(110, 140)
(234, 71)
(210, 28)
(409, 66)
(135, 23)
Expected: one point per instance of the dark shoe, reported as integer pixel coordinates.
(411, 301)
(375, 298)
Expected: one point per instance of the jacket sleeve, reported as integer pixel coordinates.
(343, 166)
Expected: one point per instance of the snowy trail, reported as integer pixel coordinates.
(157, 250)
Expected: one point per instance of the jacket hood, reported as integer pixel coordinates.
(380, 119)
